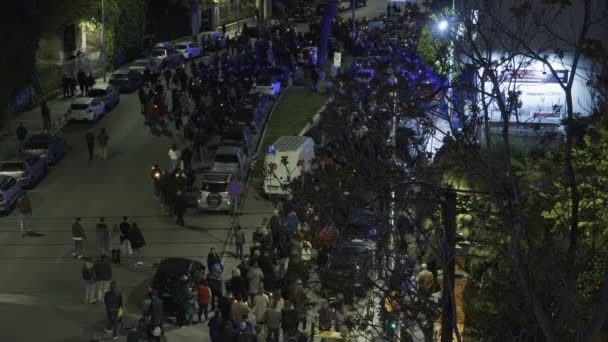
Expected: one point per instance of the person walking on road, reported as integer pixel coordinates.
(88, 276)
(46, 116)
(143, 99)
(103, 235)
(89, 83)
(113, 301)
(180, 207)
(125, 229)
(174, 156)
(239, 240)
(24, 205)
(21, 133)
(78, 236)
(136, 238)
(82, 81)
(103, 276)
(103, 139)
(186, 156)
(115, 244)
(90, 138)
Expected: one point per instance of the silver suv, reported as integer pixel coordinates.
(214, 192)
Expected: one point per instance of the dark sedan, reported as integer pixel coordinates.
(126, 79)
(172, 277)
(50, 148)
(350, 268)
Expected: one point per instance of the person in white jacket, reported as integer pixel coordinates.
(261, 303)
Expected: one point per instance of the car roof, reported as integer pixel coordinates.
(184, 42)
(83, 100)
(176, 265)
(145, 60)
(101, 85)
(216, 177)
(124, 70)
(228, 150)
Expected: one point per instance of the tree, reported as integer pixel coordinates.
(18, 58)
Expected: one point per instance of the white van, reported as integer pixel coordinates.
(294, 149)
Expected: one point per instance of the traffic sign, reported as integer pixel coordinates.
(271, 150)
(373, 232)
(235, 188)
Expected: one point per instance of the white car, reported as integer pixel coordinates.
(140, 65)
(266, 86)
(86, 109)
(189, 49)
(107, 93)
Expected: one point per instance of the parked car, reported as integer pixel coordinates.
(28, 170)
(214, 192)
(109, 95)
(10, 190)
(173, 275)
(50, 148)
(238, 136)
(140, 64)
(350, 267)
(189, 49)
(167, 57)
(86, 109)
(246, 115)
(342, 5)
(230, 159)
(125, 79)
(266, 85)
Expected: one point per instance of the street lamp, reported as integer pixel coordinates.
(443, 25)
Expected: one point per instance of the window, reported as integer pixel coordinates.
(214, 187)
(98, 92)
(79, 106)
(12, 167)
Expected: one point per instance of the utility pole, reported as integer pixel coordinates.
(103, 40)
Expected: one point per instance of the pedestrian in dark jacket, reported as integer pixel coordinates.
(46, 116)
(214, 279)
(136, 238)
(82, 80)
(125, 230)
(103, 276)
(216, 327)
(239, 240)
(21, 135)
(103, 235)
(113, 301)
(289, 320)
(90, 139)
(89, 278)
(186, 156)
(78, 236)
(212, 258)
(90, 83)
(180, 207)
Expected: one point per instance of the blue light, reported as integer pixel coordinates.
(393, 325)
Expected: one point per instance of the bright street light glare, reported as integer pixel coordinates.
(443, 25)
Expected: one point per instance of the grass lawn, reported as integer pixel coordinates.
(291, 114)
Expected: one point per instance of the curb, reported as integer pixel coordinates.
(316, 118)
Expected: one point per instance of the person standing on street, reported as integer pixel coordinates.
(115, 244)
(21, 135)
(314, 76)
(239, 240)
(255, 277)
(273, 319)
(103, 276)
(186, 156)
(113, 301)
(25, 213)
(174, 156)
(216, 327)
(89, 83)
(103, 236)
(143, 98)
(125, 229)
(203, 295)
(136, 238)
(88, 276)
(82, 81)
(103, 139)
(46, 116)
(180, 207)
(212, 259)
(90, 138)
(78, 236)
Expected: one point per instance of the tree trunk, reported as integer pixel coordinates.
(448, 309)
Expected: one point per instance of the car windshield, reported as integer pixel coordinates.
(214, 187)
(226, 158)
(348, 257)
(79, 106)
(181, 47)
(140, 64)
(97, 92)
(158, 53)
(16, 166)
(233, 136)
(265, 81)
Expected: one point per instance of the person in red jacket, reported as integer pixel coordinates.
(203, 294)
